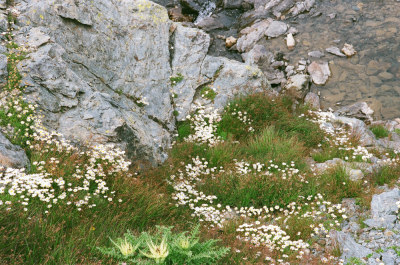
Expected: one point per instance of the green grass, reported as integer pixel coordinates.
(66, 236)
(379, 131)
(264, 111)
(269, 144)
(330, 152)
(176, 79)
(336, 185)
(355, 261)
(273, 131)
(387, 174)
(208, 93)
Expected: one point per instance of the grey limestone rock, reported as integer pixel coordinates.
(276, 29)
(367, 138)
(335, 51)
(12, 156)
(258, 54)
(359, 110)
(384, 209)
(313, 100)
(190, 49)
(230, 78)
(348, 246)
(298, 84)
(319, 72)
(100, 71)
(251, 35)
(93, 65)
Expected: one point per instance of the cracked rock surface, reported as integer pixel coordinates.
(100, 71)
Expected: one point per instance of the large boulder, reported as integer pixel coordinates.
(101, 72)
(12, 156)
(251, 35)
(230, 78)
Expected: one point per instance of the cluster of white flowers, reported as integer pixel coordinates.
(332, 260)
(271, 236)
(285, 170)
(390, 161)
(243, 117)
(204, 123)
(323, 214)
(261, 226)
(86, 182)
(338, 136)
(142, 101)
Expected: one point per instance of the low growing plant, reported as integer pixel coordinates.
(176, 79)
(379, 131)
(165, 247)
(208, 93)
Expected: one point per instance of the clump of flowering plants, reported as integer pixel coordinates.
(59, 173)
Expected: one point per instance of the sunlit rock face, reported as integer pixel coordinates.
(100, 71)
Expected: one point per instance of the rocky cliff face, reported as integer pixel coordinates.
(100, 71)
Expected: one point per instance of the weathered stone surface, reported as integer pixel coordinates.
(335, 51)
(384, 209)
(301, 7)
(3, 22)
(319, 72)
(348, 247)
(210, 23)
(386, 143)
(359, 110)
(298, 84)
(348, 50)
(257, 55)
(86, 62)
(230, 41)
(312, 99)
(251, 35)
(192, 5)
(3, 69)
(233, 3)
(282, 7)
(290, 42)
(316, 54)
(230, 78)
(358, 127)
(385, 203)
(190, 49)
(12, 156)
(75, 10)
(355, 174)
(276, 29)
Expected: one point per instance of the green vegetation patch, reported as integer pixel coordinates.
(379, 131)
(264, 110)
(208, 93)
(165, 247)
(176, 79)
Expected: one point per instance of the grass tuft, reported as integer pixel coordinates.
(379, 131)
